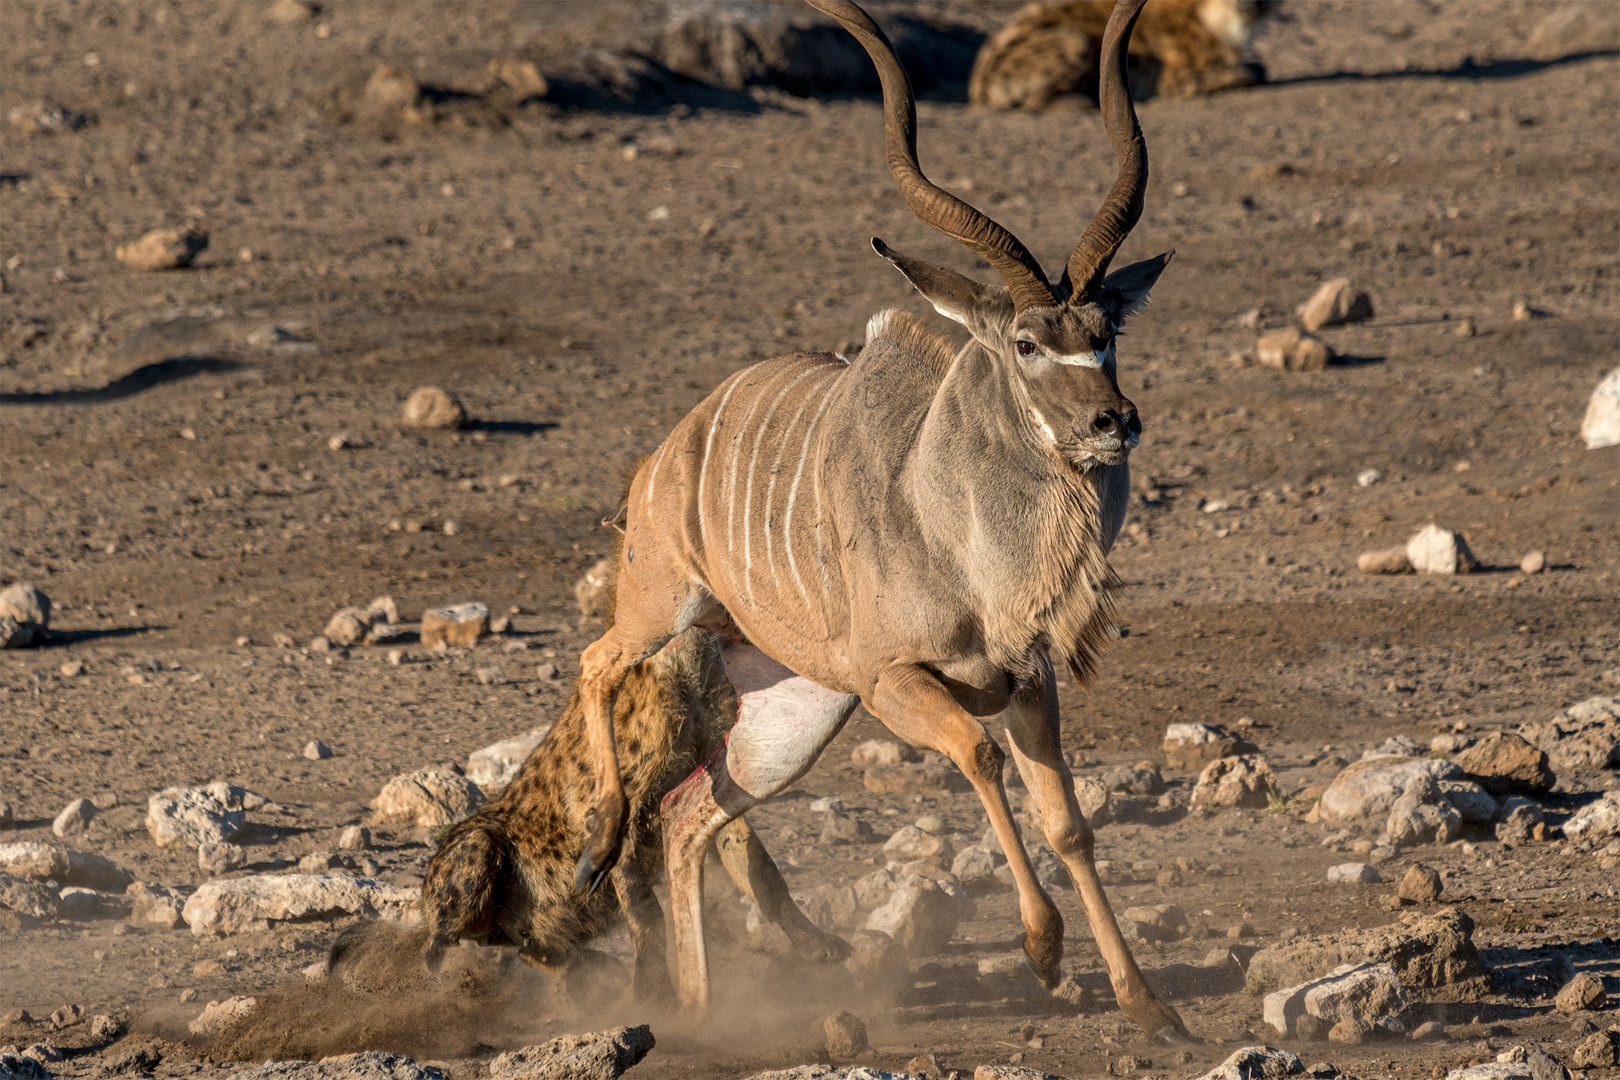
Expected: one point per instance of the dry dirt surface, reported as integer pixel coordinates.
(579, 268)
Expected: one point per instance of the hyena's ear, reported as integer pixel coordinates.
(977, 307)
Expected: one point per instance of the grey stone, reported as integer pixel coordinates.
(371, 1065)
(1434, 550)
(913, 843)
(882, 752)
(921, 918)
(493, 767)
(428, 797)
(603, 1055)
(74, 818)
(1243, 781)
(44, 862)
(1517, 821)
(846, 1035)
(1420, 884)
(1190, 747)
(26, 604)
(1506, 764)
(1422, 815)
(1473, 802)
(81, 904)
(975, 864)
(155, 905)
(251, 904)
(455, 624)
(1433, 953)
(315, 750)
(1583, 738)
(1256, 1063)
(840, 828)
(1593, 823)
(205, 815)
(28, 898)
(355, 838)
(216, 859)
(1582, 993)
(1134, 780)
(1368, 788)
(1159, 922)
(1335, 303)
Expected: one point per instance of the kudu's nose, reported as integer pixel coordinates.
(1122, 423)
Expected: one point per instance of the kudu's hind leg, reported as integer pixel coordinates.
(753, 870)
(913, 705)
(1032, 728)
(783, 724)
(652, 603)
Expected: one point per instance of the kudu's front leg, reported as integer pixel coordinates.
(602, 668)
(1032, 728)
(913, 705)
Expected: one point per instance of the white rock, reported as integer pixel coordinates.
(1357, 872)
(218, 1015)
(74, 818)
(355, 838)
(1595, 822)
(1584, 737)
(205, 815)
(26, 604)
(913, 843)
(315, 750)
(427, 797)
(220, 858)
(1368, 788)
(44, 862)
(1335, 303)
(1245, 780)
(251, 904)
(1473, 802)
(1253, 1062)
(1601, 425)
(1096, 804)
(80, 903)
(1368, 477)
(602, 1055)
(1192, 746)
(1433, 550)
(882, 752)
(155, 905)
(493, 767)
(1422, 815)
(975, 864)
(921, 918)
(1370, 994)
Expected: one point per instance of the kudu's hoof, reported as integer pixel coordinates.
(602, 847)
(1171, 1031)
(589, 876)
(1044, 961)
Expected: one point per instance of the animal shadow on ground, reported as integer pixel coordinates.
(142, 378)
(1468, 69)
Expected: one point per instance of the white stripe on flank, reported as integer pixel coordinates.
(652, 477)
(703, 469)
(748, 498)
(731, 482)
(787, 517)
(770, 492)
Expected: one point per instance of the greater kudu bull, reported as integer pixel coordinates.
(920, 530)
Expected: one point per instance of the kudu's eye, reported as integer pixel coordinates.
(1026, 348)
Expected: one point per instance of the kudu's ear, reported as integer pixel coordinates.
(952, 295)
(1125, 291)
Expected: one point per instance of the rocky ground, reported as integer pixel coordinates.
(204, 464)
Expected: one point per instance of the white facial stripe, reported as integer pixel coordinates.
(1085, 359)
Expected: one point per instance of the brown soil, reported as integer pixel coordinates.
(168, 479)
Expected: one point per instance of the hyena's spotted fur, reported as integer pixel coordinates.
(505, 875)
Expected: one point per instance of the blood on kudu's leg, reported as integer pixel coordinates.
(1032, 728)
(783, 723)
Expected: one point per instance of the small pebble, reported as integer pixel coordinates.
(1368, 477)
(355, 838)
(315, 750)
(1534, 563)
(72, 669)
(547, 671)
